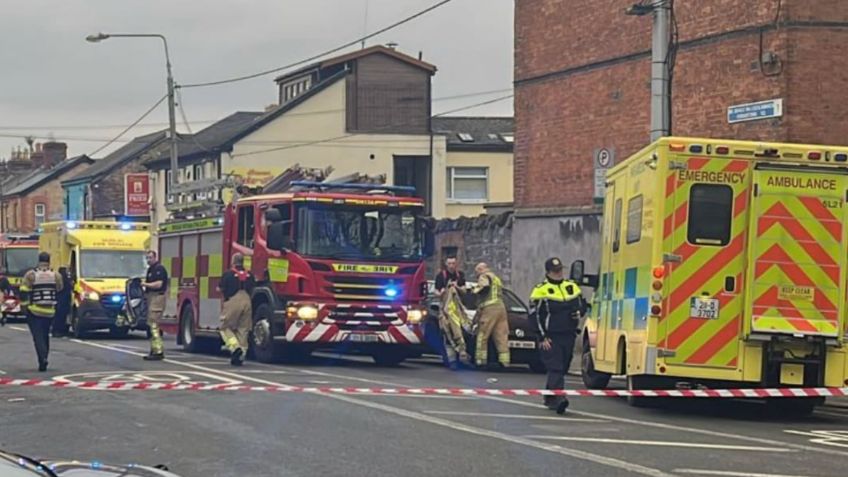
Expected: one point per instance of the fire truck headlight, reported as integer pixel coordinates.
(92, 296)
(414, 317)
(307, 312)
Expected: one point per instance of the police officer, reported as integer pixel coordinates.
(556, 305)
(491, 317)
(155, 287)
(40, 288)
(236, 317)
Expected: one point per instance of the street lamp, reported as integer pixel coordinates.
(172, 123)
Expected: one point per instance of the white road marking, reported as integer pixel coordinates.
(424, 396)
(831, 414)
(515, 416)
(246, 371)
(17, 328)
(16, 400)
(729, 473)
(2, 372)
(681, 428)
(205, 362)
(695, 445)
(833, 438)
(582, 455)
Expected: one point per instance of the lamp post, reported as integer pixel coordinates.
(172, 123)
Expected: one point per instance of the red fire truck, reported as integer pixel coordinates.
(337, 266)
(18, 253)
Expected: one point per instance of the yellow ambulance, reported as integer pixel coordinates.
(100, 257)
(723, 264)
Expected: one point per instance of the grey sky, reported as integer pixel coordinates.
(52, 78)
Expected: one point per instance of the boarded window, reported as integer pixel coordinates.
(634, 219)
(710, 214)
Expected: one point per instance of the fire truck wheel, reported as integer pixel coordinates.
(264, 348)
(188, 337)
(592, 379)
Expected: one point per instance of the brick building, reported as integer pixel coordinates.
(37, 197)
(582, 81)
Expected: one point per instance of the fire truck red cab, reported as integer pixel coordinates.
(18, 253)
(337, 266)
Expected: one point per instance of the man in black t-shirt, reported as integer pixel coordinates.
(449, 275)
(155, 289)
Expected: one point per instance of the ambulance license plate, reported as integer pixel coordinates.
(704, 308)
(362, 338)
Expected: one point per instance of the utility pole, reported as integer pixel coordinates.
(660, 98)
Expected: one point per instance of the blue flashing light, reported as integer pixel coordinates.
(391, 292)
(117, 298)
(71, 225)
(125, 226)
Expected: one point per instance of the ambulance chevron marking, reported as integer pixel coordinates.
(727, 333)
(819, 211)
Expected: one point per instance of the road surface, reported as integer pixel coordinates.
(288, 434)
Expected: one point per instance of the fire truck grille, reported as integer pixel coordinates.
(364, 288)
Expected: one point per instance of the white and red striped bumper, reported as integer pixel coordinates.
(360, 324)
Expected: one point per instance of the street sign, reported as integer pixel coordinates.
(772, 108)
(136, 195)
(604, 158)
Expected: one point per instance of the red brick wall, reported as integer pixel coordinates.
(51, 194)
(108, 193)
(569, 102)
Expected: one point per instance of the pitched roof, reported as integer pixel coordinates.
(354, 55)
(476, 133)
(119, 157)
(43, 176)
(214, 138)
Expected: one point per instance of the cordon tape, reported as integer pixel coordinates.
(675, 393)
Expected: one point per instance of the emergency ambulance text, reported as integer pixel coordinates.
(712, 176)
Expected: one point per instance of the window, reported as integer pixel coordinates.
(468, 183)
(40, 213)
(465, 137)
(170, 198)
(710, 214)
(508, 138)
(616, 231)
(245, 226)
(634, 219)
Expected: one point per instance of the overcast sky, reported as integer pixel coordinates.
(51, 78)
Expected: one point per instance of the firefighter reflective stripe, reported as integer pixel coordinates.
(278, 270)
(797, 252)
(493, 296)
(703, 270)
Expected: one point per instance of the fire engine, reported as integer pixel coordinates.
(18, 253)
(337, 265)
(723, 263)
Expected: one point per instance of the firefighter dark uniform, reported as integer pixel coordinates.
(40, 288)
(491, 320)
(237, 312)
(155, 308)
(556, 305)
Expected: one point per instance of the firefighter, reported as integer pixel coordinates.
(39, 290)
(491, 317)
(556, 305)
(449, 284)
(155, 287)
(236, 316)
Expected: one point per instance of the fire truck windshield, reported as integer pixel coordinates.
(16, 261)
(357, 232)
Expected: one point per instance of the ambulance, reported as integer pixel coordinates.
(100, 257)
(723, 264)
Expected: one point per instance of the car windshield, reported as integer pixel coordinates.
(17, 261)
(112, 264)
(360, 233)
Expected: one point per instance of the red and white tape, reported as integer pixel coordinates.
(677, 393)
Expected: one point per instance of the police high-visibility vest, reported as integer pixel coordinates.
(494, 296)
(42, 295)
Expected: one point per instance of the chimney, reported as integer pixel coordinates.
(37, 157)
(54, 153)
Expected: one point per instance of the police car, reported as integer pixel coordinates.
(523, 334)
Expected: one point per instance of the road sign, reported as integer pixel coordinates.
(772, 108)
(604, 158)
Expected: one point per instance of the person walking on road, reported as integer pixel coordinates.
(491, 317)
(155, 287)
(63, 305)
(237, 315)
(40, 288)
(556, 305)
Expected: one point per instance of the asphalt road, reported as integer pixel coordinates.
(253, 433)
